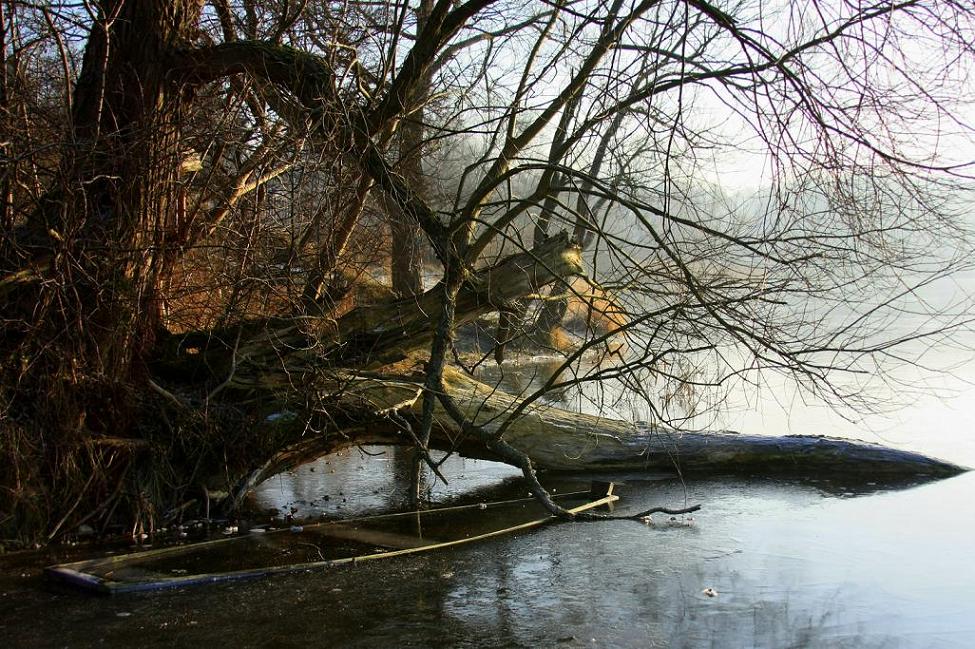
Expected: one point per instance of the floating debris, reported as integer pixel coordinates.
(284, 415)
(709, 592)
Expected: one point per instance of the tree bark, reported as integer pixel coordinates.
(115, 218)
(386, 332)
(98, 248)
(406, 263)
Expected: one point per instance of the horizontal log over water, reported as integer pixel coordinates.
(731, 452)
(558, 440)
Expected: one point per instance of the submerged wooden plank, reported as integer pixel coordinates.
(80, 573)
(377, 537)
(90, 564)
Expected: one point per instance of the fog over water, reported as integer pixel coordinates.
(919, 395)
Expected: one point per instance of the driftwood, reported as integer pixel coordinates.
(558, 440)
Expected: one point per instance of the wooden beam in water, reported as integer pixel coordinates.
(79, 573)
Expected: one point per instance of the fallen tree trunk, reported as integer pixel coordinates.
(265, 353)
(387, 332)
(558, 440)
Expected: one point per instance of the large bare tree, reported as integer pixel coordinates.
(196, 195)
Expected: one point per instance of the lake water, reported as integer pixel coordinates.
(793, 564)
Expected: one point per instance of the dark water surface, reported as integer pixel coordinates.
(794, 564)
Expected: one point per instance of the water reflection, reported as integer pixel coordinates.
(790, 570)
(375, 479)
